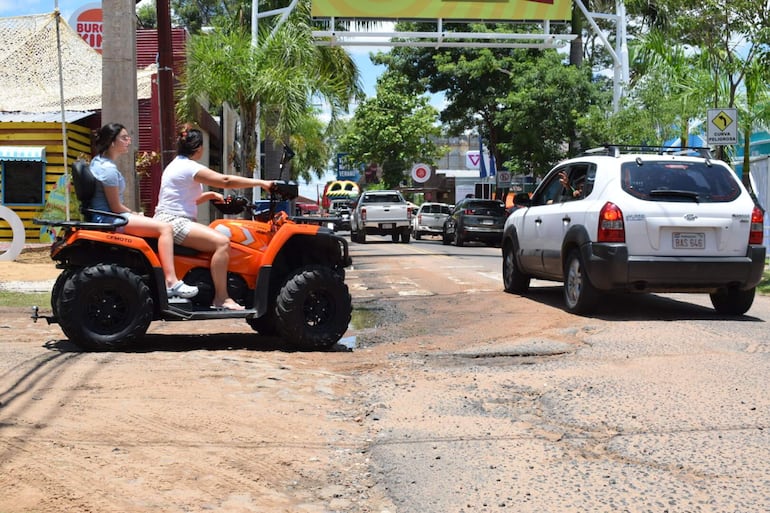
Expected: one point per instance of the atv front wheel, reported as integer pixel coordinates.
(313, 309)
(104, 307)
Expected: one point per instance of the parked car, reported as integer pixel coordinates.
(429, 219)
(475, 219)
(638, 222)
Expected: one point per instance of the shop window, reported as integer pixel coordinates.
(23, 183)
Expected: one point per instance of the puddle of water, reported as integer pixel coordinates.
(349, 343)
(362, 319)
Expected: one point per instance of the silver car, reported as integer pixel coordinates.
(429, 219)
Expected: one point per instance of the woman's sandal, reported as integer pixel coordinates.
(230, 305)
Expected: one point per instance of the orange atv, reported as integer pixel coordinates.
(289, 276)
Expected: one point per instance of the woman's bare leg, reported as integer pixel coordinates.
(149, 227)
(211, 241)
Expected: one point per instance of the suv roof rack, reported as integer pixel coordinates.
(615, 150)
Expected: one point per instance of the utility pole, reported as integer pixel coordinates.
(119, 93)
(166, 84)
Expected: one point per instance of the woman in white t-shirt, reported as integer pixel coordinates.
(181, 191)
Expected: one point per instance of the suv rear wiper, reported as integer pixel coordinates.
(676, 192)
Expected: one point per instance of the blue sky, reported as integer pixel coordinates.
(20, 8)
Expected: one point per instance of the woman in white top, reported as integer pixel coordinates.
(112, 140)
(181, 191)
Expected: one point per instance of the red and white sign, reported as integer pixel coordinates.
(420, 173)
(87, 22)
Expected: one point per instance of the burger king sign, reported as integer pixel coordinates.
(87, 22)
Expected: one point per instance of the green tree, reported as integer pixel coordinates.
(283, 74)
(481, 85)
(754, 109)
(147, 16)
(729, 36)
(394, 129)
(671, 82)
(542, 109)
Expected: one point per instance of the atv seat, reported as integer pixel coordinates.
(85, 187)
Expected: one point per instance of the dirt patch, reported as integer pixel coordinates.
(33, 264)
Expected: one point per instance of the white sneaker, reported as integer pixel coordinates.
(183, 290)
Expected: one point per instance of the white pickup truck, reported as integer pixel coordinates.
(381, 213)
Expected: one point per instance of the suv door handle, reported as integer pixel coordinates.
(566, 219)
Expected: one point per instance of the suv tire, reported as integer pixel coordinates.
(733, 301)
(579, 295)
(514, 281)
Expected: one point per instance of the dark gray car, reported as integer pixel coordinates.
(474, 219)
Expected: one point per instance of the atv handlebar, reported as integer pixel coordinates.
(285, 190)
(280, 191)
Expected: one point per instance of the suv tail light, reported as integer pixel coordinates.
(363, 214)
(611, 227)
(757, 226)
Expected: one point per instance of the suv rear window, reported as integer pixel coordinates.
(665, 180)
(435, 209)
(484, 208)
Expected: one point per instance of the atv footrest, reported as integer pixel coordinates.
(178, 314)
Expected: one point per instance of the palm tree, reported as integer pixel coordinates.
(283, 75)
(754, 113)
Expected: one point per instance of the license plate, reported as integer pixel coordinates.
(387, 226)
(487, 221)
(689, 240)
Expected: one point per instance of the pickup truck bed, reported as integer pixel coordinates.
(381, 213)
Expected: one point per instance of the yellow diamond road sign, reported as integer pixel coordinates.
(722, 126)
(722, 120)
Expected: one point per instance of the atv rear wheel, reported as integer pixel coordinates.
(104, 307)
(313, 309)
(56, 290)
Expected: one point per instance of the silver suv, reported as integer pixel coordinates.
(610, 221)
(429, 219)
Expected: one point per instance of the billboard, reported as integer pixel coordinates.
(504, 10)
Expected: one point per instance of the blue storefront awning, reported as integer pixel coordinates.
(34, 153)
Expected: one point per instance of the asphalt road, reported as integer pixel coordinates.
(508, 403)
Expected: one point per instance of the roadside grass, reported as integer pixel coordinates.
(764, 285)
(16, 299)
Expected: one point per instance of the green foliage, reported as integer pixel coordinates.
(147, 16)
(526, 104)
(542, 111)
(395, 129)
(283, 75)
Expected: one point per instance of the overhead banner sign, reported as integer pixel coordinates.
(508, 10)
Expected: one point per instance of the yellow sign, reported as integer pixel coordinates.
(722, 120)
(509, 10)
